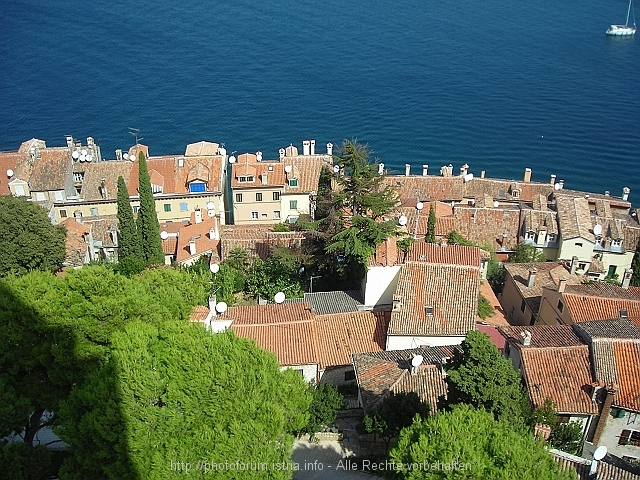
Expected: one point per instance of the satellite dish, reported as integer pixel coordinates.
(597, 229)
(222, 151)
(75, 154)
(496, 204)
(9, 173)
(84, 152)
(221, 307)
(279, 297)
(210, 206)
(417, 361)
(214, 267)
(258, 156)
(336, 168)
(164, 235)
(600, 453)
(402, 221)
(419, 205)
(83, 157)
(211, 213)
(288, 168)
(89, 158)
(232, 159)
(556, 186)
(125, 156)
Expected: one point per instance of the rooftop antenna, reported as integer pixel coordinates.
(135, 132)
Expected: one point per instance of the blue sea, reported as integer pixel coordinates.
(500, 85)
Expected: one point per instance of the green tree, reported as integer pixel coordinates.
(28, 240)
(396, 412)
(172, 392)
(481, 377)
(525, 253)
(431, 226)
(19, 461)
(470, 444)
(326, 401)
(148, 224)
(270, 276)
(129, 239)
(485, 310)
(566, 436)
(635, 266)
(454, 238)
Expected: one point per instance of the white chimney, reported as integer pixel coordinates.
(525, 338)
(626, 278)
(527, 174)
(407, 169)
(329, 148)
(574, 264)
(198, 215)
(192, 246)
(216, 231)
(561, 182)
(263, 177)
(281, 153)
(607, 193)
(305, 147)
(90, 142)
(425, 169)
(625, 193)
(212, 233)
(562, 285)
(532, 278)
(482, 174)
(313, 147)
(69, 140)
(212, 305)
(381, 169)
(258, 156)
(553, 179)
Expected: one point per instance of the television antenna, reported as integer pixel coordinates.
(135, 132)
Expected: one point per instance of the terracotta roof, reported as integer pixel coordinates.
(257, 242)
(574, 218)
(498, 318)
(75, 244)
(307, 170)
(543, 336)
(534, 221)
(102, 228)
(608, 329)
(269, 314)
(274, 177)
(388, 254)
(170, 245)
(201, 148)
(199, 313)
(94, 173)
(200, 232)
(489, 225)
(451, 290)
(631, 237)
(494, 335)
(341, 335)
(600, 301)
(627, 358)
(8, 161)
(582, 467)
(562, 374)
(548, 274)
(51, 169)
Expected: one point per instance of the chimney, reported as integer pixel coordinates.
(482, 174)
(212, 305)
(313, 147)
(407, 169)
(553, 179)
(562, 285)
(607, 193)
(532, 278)
(527, 174)
(329, 148)
(593, 469)
(90, 142)
(626, 278)
(258, 156)
(119, 154)
(425, 169)
(69, 139)
(574, 264)
(525, 338)
(561, 182)
(192, 246)
(263, 177)
(305, 147)
(198, 215)
(397, 303)
(604, 413)
(542, 431)
(103, 188)
(281, 153)
(625, 193)
(214, 233)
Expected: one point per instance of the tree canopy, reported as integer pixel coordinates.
(173, 391)
(148, 225)
(481, 377)
(326, 401)
(28, 240)
(431, 226)
(471, 444)
(635, 266)
(525, 253)
(129, 240)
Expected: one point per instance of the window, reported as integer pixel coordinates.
(577, 244)
(428, 311)
(19, 191)
(616, 243)
(293, 204)
(167, 207)
(349, 375)
(629, 437)
(93, 212)
(245, 178)
(276, 196)
(63, 214)
(276, 214)
(184, 207)
(582, 266)
(136, 209)
(195, 187)
(293, 182)
(254, 215)
(617, 413)
(78, 177)
(40, 196)
(238, 198)
(77, 214)
(59, 196)
(530, 236)
(258, 197)
(551, 238)
(515, 193)
(599, 241)
(612, 271)
(264, 215)
(523, 305)
(560, 306)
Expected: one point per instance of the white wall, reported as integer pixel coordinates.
(303, 205)
(611, 434)
(380, 284)
(402, 342)
(309, 372)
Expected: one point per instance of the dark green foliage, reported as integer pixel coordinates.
(270, 276)
(358, 242)
(474, 446)
(172, 392)
(148, 225)
(129, 238)
(129, 266)
(481, 377)
(405, 243)
(526, 254)
(567, 437)
(431, 226)
(635, 266)
(454, 238)
(396, 412)
(485, 310)
(495, 274)
(28, 240)
(281, 227)
(546, 414)
(327, 400)
(20, 461)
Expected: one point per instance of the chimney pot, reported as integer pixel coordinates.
(574, 264)
(625, 193)
(329, 148)
(192, 247)
(407, 169)
(305, 147)
(527, 174)
(532, 278)
(482, 173)
(525, 338)
(561, 182)
(626, 278)
(425, 169)
(562, 285)
(553, 179)
(607, 193)
(313, 147)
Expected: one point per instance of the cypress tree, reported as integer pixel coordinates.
(128, 235)
(148, 224)
(635, 266)
(431, 226)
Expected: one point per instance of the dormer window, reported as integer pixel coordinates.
(616, 243)
(196, 187)
(246, 179)
(78, 177)
(156, 188)
(293, 182)
(599, 241)
(551, 238)
(515, 193)
(530, 236)
(428, 311)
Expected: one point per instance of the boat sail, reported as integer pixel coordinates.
(626, 29)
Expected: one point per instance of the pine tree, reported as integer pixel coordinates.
(148, 224)
(431, 226)
(128, 236)
(635, 266)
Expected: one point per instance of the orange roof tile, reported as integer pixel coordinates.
(199, 313)
(627, 361)
(498, 318)
(269, 314)
(599, 301)
(307, 170)
(8, 161)
(51, 169)
(200, 233)
(543, 336)
(273, 174)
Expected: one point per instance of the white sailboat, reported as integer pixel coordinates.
(626, 29)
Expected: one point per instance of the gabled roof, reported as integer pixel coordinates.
(75, 244)
(388, 254)
(257, 240)
(445, 221)
(306, 169)
(8, 161)
(109, 171)
(543, 336)
(451, 291)
(617, 328)
(574, 218)
(102, 228)
(582, 467)
(600, 301)
(51, 169)
(534, 221)
(202, 148)
(269, 314)
(200, 233)
(324, 303)
(273, 173)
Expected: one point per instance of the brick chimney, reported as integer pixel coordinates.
(562, 284)
(626, 278)
(612, 390)
(531, 281)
